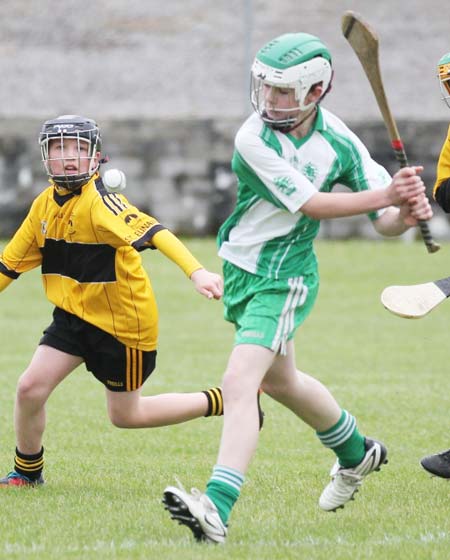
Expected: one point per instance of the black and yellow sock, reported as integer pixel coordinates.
(215, 401)
(29, 465)
(215, 404)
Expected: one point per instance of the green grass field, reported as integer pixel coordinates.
(103, 494)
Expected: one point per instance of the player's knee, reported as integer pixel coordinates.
(30, 390)
(238, 389)
(120, 418)
(230, 385)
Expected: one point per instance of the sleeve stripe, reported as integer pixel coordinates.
(9, 273)
(147, 236)
(114, 203)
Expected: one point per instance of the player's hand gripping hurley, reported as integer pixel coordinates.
(364, 42)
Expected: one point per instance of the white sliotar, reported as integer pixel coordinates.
(114, 180)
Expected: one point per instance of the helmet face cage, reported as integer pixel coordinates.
(296, 61)
(301, 78)
(83, 131)
(444, 78)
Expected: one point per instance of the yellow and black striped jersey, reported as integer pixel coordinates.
(441, 190)
(443, 166)
(87, 244)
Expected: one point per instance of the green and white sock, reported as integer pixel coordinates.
(223, 489)
(345, 440)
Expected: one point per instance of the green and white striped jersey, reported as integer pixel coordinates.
(267, 234)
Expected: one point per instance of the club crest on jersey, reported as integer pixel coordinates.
(310, 171)
(130, 218)
(70, 225)
(43, 227)
(285, 185)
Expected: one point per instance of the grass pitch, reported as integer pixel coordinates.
(103, 494)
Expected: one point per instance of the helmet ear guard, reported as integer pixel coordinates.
(81, 129)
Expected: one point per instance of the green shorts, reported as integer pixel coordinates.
(264, 311)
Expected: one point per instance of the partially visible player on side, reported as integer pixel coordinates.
(87, 243)
(288, 157)
(439, 463)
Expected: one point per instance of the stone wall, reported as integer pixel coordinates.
(168, 83)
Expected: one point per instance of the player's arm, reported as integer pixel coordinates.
(441, 191)
(20, 254)
(5, 281)
(261, 168)
(132, 227)
(406, 185)
(207, 283)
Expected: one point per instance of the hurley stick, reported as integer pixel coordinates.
(364, 42)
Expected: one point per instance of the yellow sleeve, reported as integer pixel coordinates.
(443, 166)
(176, 251)
(5, 281)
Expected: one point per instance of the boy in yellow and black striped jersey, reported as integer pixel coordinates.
(87, 242)
(438, 464)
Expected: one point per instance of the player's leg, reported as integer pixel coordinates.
(207, 514)
(265, 313)
(130, 409)
(243, 376)
(48, 367)
(307, 397)
(357, 456)
(123, 371)
(261, 310)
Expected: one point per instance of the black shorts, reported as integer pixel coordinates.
(117, 366)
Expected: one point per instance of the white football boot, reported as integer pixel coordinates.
(196, 511)
(345, 482)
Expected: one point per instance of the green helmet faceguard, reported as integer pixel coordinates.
(293, 60)
(444, 77)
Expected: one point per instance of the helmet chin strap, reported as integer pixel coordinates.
(286, 128)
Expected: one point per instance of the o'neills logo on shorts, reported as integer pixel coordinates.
(253, 334)
(114, 383)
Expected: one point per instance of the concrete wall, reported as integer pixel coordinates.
(168, 83)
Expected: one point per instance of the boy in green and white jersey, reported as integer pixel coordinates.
(267, 234)
(288, 157)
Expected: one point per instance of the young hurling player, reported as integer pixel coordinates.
(439, 464)
(288, 157)
(87, 243)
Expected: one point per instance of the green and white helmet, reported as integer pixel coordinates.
(444, 77)
(293, 60)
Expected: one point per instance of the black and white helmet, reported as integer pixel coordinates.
(79, 128)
